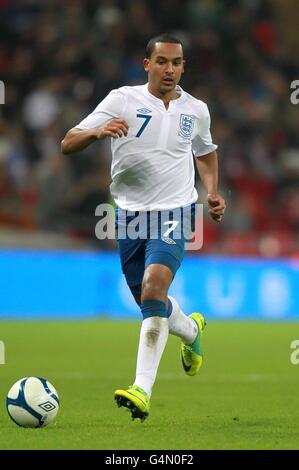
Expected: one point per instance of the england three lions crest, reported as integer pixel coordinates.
(186, 125)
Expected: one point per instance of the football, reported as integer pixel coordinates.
(32, 402)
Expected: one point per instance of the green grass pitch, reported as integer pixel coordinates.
(245, 397)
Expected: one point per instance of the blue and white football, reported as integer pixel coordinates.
(32, 402)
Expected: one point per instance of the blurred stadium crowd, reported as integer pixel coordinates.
(59, 59)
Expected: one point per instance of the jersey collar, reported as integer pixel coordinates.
(159, 101)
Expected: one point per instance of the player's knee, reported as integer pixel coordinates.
(155, 285)
(153, 289)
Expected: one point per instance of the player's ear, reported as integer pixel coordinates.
(184, 63)
(146, 64)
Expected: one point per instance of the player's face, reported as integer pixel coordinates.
(165, 67)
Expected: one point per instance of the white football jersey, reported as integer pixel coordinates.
(152, 167)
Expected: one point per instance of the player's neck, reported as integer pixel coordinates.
(165, 97)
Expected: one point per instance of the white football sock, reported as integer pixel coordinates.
(152, 341)
(181, 325)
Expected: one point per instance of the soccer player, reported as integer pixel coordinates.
(157, 130)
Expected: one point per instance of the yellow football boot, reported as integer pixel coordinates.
(136, 400)
(192, 354)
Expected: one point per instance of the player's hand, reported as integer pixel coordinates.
(114, 128)
(216, 206)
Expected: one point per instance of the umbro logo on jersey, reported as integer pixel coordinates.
(144, 110)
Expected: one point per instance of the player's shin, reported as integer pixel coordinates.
(153, 338)
(179, 324)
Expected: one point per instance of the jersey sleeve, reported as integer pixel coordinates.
(202, 143)
(111, 107)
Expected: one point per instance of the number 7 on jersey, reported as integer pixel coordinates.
(144, 124)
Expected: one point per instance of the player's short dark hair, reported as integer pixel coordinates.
(161, 38)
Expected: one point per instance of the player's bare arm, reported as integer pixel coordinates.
(207, 167)
(77, 139)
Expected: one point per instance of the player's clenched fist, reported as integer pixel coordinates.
(78, 139)
(216, 206)
(114, 128)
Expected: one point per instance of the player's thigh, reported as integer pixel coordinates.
(168, 253)
(162, 260)
(132, 256)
